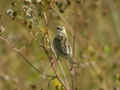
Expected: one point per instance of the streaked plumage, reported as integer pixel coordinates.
(61, 44)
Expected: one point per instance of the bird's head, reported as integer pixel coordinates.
(60, 30)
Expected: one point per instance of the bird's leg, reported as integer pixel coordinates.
(52, 62)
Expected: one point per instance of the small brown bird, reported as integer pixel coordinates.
(61, 44)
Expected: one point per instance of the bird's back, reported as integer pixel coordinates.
(61, 46)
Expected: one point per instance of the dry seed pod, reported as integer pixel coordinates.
(9, 12)
(13, 3)
(28, 11)
(27, 2)
(38, 1)
(2, 28)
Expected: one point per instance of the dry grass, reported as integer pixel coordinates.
(93, 29)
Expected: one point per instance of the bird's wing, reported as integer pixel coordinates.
(60, 46)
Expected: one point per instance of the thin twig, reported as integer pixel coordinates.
(73, 47)
(62, 70)
(24, 58)
(19, 53)
(52, 61)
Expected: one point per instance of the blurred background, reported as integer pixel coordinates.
(93, 29)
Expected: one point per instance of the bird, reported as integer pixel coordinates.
(61, 44)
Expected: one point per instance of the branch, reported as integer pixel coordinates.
(24, 58)
(52, 62)
(73, 47)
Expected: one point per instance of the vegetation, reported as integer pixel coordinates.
(27, 29)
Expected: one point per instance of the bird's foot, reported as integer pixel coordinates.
(52, 62)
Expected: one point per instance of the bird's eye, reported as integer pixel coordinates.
(59, 28)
